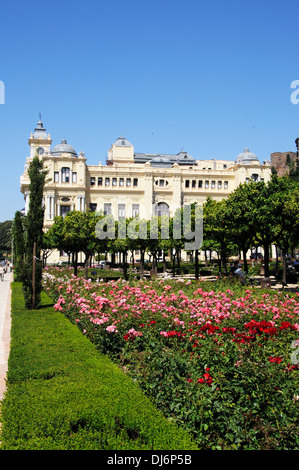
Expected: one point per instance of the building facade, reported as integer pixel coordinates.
(131, 183)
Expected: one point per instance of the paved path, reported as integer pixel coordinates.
(5, 322)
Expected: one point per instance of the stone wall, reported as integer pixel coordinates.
(278, 161)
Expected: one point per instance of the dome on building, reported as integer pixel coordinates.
(247, 157)
(122, 142)
(63, 147)
(184, 157)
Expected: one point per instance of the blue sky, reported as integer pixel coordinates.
(209, 77)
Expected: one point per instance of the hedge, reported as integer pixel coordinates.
(62, 394)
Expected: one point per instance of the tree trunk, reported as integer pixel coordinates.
(266, 259)
(33, 274)
(125, 266)
(164, 263)
(86, 266)
(179, 261)
(244, 251)
(154, 266)
(277, 261)
(196, 265)
(173, 264)
(75, 264)
(284, 267)
(141, 263)
(223, 258)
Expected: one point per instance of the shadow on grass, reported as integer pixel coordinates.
(45, 306)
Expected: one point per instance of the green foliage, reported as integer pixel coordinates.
(34, 234)
(18, 236)
(63, 395)
(216, 228)
(5, 231)
(217, 362)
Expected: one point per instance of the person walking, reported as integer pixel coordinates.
(1, 272)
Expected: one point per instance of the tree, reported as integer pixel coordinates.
(240, 218)
(157, 237)
(79, 235)
(259, 197)
(5, 235)
(89, 241)
(18, 240)
(216, 227)
(137, 239)
(54, 236)
(176, 238)
(285, 211)
(32, 273)
(47, 247)
(120, 244)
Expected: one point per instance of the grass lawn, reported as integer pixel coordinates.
(62, 394)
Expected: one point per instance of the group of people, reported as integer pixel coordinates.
(4, 268)
(294, 263)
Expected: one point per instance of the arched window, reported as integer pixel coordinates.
(162, 209)
(65, 175)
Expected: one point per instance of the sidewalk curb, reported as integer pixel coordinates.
(5, 341)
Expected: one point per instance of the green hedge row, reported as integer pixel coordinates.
(62, 394)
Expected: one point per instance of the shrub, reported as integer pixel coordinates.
(63, 394)
(217, 362)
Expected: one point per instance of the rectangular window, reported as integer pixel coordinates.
(107, 208)
(107, 181)
(219, 184)
(213, 184)
(92, 207)
(92, 181)
(187, 183)
(121, 210)
(121, 181)
(74, 177)
(135, 210)
(200, 183)
(161, 183)
(206, 184)
(114, 181)
(193, 183)
(56, 176)
(100, 181)
(64, 210)
(225, 184)
(135, 182)
(128, 183)
(65, 175)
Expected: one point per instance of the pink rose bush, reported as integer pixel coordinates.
(216, 361)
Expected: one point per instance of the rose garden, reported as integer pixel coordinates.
(113, 360)
(217, 359)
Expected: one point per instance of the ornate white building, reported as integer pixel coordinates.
(131, 183)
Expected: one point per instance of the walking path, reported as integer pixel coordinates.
(5, 323)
